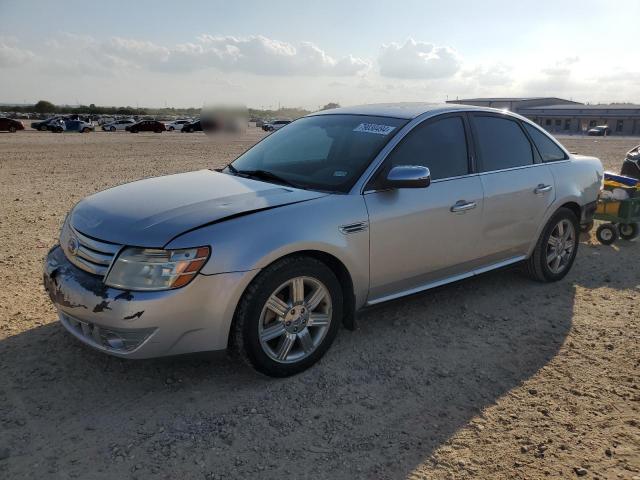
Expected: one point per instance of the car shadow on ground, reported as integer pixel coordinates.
(380, 402)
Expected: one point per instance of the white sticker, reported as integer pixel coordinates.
(374, 128)
(339, 173)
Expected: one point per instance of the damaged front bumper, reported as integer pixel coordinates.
(132, 324)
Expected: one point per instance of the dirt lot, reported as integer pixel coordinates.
(496, 377)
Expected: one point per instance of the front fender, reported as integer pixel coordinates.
(254, 241)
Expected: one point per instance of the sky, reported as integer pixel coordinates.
(266, 54)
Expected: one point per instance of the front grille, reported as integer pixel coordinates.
(91, 255)
(116, 340)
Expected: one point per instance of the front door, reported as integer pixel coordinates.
(421, 236)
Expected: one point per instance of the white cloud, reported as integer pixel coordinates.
(418, 60)
(497, 75)
(12, 55)
(254, 54)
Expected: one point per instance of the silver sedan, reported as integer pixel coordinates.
(336, 211)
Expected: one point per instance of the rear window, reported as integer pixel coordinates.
(547, 148)
(502, 143)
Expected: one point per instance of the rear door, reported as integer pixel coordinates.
(419, 236)
(518, 186)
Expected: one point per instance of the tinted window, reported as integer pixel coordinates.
(440, 145)
(502, 144)
(548, 150)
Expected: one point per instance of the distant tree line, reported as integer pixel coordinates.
(44, 106)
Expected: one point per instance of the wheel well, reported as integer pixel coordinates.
(575, 208)
(344, 277)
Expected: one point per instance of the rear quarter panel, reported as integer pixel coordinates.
(576, 180)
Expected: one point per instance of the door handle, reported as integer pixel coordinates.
(463, 206)
(542, 188)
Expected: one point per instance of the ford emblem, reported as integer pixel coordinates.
(72, 246)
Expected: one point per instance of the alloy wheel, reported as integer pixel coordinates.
(560, 246)
(295, 319)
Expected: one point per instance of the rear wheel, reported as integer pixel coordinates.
(86, 130)
(288, 317)
(629, 231)
(43, 128)
(12, 129)
(556, 249)
(112, 129)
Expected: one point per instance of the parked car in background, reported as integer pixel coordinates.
(599, 131)
(42, 125)
(631, 163)
(56, 125)
(79, 126)
(343, 209)
(192, 127)
(146, 126)
(11, 125)
(177, 124)
(121, 124)
(277, 125)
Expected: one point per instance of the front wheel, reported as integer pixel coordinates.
(556, 250)
(288, 317)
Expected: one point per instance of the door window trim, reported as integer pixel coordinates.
(369, 186)
(474, 133)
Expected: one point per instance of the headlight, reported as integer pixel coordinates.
(153, 269)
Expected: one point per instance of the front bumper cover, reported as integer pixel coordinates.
(133, 324)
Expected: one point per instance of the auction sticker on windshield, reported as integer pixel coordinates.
(374, 128)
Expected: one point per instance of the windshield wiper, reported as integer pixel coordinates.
(264, 175)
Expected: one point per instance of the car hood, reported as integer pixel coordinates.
(151, 212)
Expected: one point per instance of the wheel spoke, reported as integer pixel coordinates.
(272, 332)
(556, 263)
(561, 229)
(551, 257)
(284, 347)
(568, 246)
(314, 300)
(297, 290)
(554, 241)
(318, 320)
(305, 340)
(277, 306)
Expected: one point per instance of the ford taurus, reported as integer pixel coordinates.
(336, 211)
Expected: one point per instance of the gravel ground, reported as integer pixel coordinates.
(495, 377)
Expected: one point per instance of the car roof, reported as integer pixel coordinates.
(405, 110)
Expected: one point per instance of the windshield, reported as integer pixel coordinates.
(324, 152)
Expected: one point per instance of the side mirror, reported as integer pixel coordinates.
(408, 176)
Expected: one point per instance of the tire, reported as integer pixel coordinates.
(607, 234)
(43, 128)
(541, 265)
(86, 130)
(112, 129)
(158, 131)
(587, 227)
(12, 129)
(171, 129)
(629, 231)
(252, 340)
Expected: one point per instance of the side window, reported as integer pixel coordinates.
(440, 145)
(501, 143)
(548, 150)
